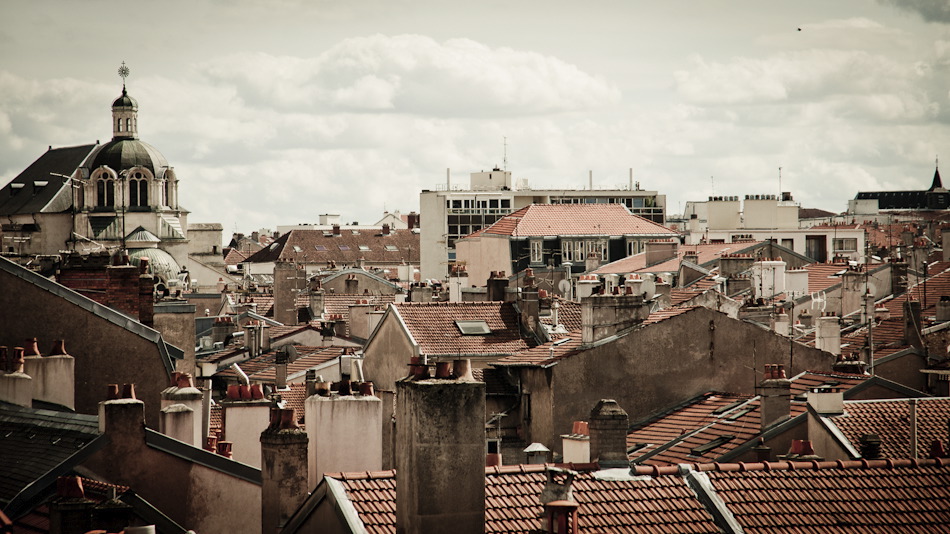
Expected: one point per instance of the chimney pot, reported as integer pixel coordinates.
(31, 348)
(70, 487)
(443, 369)
(59, 348)
(224, 448)
(287, 419)
(256, 392)
(234, 392)
(366, 389)
(112, 392)
(211, 443)
(128, 391)
(462, 370)
(245, 392)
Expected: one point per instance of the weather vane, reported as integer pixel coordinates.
(123, 73)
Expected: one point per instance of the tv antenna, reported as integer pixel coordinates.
(504, 163)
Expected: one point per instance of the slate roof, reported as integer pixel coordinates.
(841, 497)
(433, 327)
(670, 438)
(890, 420)
(40, 445)
(537, 220)
(316, 247)
(56, 195)
(707, 252)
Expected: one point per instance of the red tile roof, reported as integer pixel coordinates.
(235, 257)
(707, 252)
(846, 497)
(575, 219)
(568, 314)
(697, 423)
(664, 504)
(262, 368)
(680, 295)
(842, 497)
(433, 327)
(890, 420)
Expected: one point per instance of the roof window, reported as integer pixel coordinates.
(320, 248)
(344, 247)
(392, 248)
(364, 248)
(718, 442)
(473, 328)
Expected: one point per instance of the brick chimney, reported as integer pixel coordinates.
(776, 396)
(53, 376)
(16, 387)
(283, 469)
(440, 456)
(345, 433)
(385, 229)
(913, 325)
(412, 220)
(288, 279)
(608, 434)
(604, 315)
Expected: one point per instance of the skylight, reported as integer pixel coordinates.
(321, 248)
(364, 247)
(392, 248)
(473, 328)
(718, 442)
(344, 247)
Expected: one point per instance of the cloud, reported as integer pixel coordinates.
(930, 10)
(414, 74)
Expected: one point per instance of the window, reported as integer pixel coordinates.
(473, 328)
(718, 442)
(364, 248)
(846, 244)
(392, 248)
(118, 125)
(505, 203)
(537, 251)
(128, 125)
(105, 192)
(138, 190)
(320, 248)
(344, 247)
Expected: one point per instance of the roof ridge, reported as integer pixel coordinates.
(889, 463)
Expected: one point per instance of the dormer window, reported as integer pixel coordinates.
(473, 328)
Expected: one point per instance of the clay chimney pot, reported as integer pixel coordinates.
(366, 389)
(31, 348)
(59, 348)
(112, 392)
(128, 391)
(256, 392)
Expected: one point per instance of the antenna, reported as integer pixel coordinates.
(712, 185)
(504, 165)
(780, 182)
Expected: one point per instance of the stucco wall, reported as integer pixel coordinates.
(105, 353)
(482, 255)
(655, 367)
(386, 357)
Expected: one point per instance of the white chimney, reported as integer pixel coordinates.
(828, 337)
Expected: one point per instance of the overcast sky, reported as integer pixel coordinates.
(273, 112)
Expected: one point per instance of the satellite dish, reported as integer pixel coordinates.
(564, 286)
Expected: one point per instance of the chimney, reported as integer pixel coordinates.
(592, 262)
(440, 456)
(913, 326)
(870, 445)
(943, 307)
(385, 229)
(281, 357)
(828, 336)
(608, 434)
(53, 376)
(345, 433)
(360, 312)
(497, 284)
(853, 288)
(560, 508)
(251, 343)
(763, 453)
(658, 251)
(806, 318)
(733, 264)
(412, 220)
(826, 401)
(288, 280)
(182, 410)
(70, 512)
(283, 470)
(146, 302)
(316, 302)
(336, 229)
(529, 306)
(221, 328)
(576, 445)
(780, 323)
(776, 396)
(420, 292)
(664, 292)
(604, 315)
(16, 387)
(113, 515)
(263, 335)
(851, 364)
(243, 418)
(122, 419)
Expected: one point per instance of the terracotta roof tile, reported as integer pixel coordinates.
(348, 248)
(890, 420)
(262, 368)
(433, 327)
(707, 252)
(575, 219)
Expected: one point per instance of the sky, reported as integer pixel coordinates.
(274, 112)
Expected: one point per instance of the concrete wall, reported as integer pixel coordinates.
(345, 434)
(176, 321)
(243, 423)
(656, 367)
(386, 356)
(105, 353)
(904, 370)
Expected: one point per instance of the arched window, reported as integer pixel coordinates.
(118, 126)
(128, 125)
(105, 192)
(138, 190)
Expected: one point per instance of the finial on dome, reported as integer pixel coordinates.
(123, 73)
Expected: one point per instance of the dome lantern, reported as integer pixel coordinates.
(124, 112)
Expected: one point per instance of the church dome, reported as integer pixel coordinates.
(125, 101)
(122, 154)
(161, 263)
